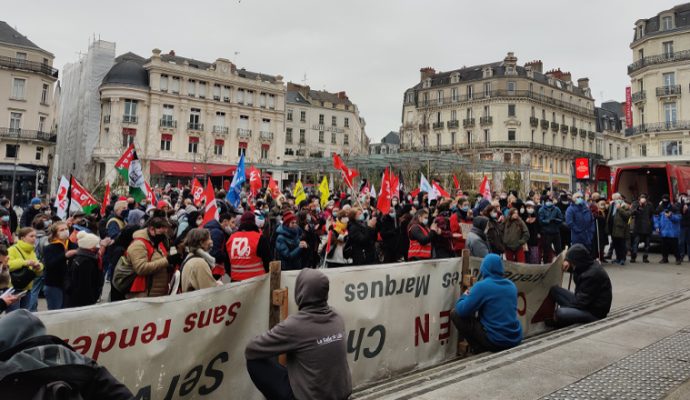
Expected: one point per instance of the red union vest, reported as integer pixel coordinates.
(244, 262)
(417, 250)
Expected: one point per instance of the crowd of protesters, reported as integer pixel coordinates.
(139, 246)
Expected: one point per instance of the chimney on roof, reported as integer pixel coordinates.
(172, 53)
(510, 59)
(426, 72)
(536, 66)
(303, 90)
(583, 83)
(342, 95)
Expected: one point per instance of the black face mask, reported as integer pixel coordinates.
(131, 206)
(157, 239)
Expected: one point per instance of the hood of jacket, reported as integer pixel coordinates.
(492, 267)
(288, 232)
(311, 289)
(19, 326)
(480, 222)
(134, 216)
(579, 257)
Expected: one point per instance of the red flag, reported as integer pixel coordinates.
(439, 190)
(395, 184)
(211, 209)
(415, 192)
(150, 196)
(485, 189)
(384, 201)
(348, 174)
(197, 192)
(106, 198)
(273, 186)
(254, 180)
(455, 181)
(126, 158)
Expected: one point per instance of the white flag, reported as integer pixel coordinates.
(61, 199)
(424, 186)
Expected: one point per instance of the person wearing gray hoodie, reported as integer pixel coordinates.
(314, 341)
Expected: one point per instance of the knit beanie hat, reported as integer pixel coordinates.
(287, 218)
(87, 241)
(247, 218)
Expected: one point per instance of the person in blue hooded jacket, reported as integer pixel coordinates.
(289, 246)
(667, 223)
(486, 315)
(580, 220)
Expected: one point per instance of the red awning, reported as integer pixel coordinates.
(166, 136)
(219, 142)
(265, 146)
(179, 168)
(193, 139)
(242, 145)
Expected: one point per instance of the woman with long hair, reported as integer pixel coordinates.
(55, 257)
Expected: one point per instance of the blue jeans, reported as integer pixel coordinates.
(54, 297)
(636, 243)
(684, 242)
(33, 294)
(22, 303)
(566, 314)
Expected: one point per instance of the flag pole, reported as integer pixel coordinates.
(69, 195)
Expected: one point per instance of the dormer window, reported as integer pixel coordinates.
(454, 77)
(667, 23)
(427, 83)
(487, 72)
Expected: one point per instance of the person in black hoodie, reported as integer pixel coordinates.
(593, 293)
(84, 280)
(684, 239)
(389, 228)
(314, 340)
(563, 205)
(361, 235)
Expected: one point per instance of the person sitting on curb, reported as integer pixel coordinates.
(314, 340)
(593, 293)
(494, 299)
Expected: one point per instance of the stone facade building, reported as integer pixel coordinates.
(504, 112)
(188, 117)
(610, 124)
(659, 78)
(390, 144)
(27, 134)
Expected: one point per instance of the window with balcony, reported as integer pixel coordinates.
(487, 89)
(21, 56)
(511, 135)
(166, 142)
(321, 119)
(487, 136)
(202, 90)
(193, 145)
(670, 114)
(262, 100)
(130, 114)
(127, 137)
(15, 122)
(289, 114)
(175, 85)
(264, 152)
(667, 49)
(320, 136)
(511, 87)
(44, 94)
(469, 137)
(288, 135)
(302, 136)
(195, 118)
(216, 92)
(439, 96)
(167, 117)
(18, 88)
(470, 92)
(487, 111)
(226, 94)
(302, 116)
(218, 145)
(191, 87)
(249, 98)
(346, 122)
(241, 149)
(454, 94)
(334, 121)
(452, 138)
(11, 150)
(42, 123)
(39, 153)
(271, 101)
(671, 147)
(239, 96)
(164, 83)
(511, 110)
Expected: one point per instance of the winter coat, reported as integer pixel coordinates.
(494, 298)
(19, 254)
(389, 228)
(593, 291)
(56, 263)
(644, 218)
(28, 216)
(442, 245)
(515, 234)
(685, 217)
(534, 231)
(600, 234)
(156, 269)
(476, 240)
(287, 247)
(362, 238)
(495, 237)
(219, 237)
(83, 281)
(579, 219)
(621, 226)
(550, 219)
(314, 340)
(196, 272)
(668, 227)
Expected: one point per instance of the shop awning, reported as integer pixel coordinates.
(180, 168)
(9, 169)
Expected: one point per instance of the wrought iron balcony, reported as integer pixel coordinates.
(223, 130)
(591, 135)
(423, 127)
(468, 123)
(533, 122)
(554, 126)
(265, 135)
(564, 128)
(31, 66)
(583, 133)
(195, 126)
(453, 124)
(658, 127)
(659, 59)
(25, 134)
(486, 120)
(544, 124)
(665, 91)
(638, 97)
(167, 123)
(243, 133)
(130, 119)
(573, 130)
(438, 125)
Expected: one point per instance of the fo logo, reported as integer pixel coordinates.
(240, 248)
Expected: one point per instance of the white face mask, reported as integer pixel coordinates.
(345, 220)
(63, 235)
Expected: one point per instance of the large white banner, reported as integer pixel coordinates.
(397, 316)
(174, 347)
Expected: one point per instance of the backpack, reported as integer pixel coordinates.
(124, 274)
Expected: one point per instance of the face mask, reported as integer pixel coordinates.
(308, 218)
(63, 235)
(548, 203)
(47, 223)
(344, 220)
(5, 218)
(259, 222)
(522, 211)
(391, 213)
(158, 238)
(37, 207)
(424, 221)
(124, 214)
(416, 203)
(143, 204)
(48, 213)
(317, 210)
(530, 211)
(565, 201)
(199, 221)
(493, 215)
(361, 217)
(465, 209)
(394, 203)
(578, 201)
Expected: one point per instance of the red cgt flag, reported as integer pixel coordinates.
(197, 192)
(384, 201)
(273, 187)
(254, 180)
(348, 174)
(455, 181)
(211, 209)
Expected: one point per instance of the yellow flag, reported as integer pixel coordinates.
(325, 192)
(299, 193)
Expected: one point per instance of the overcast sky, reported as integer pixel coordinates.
(371, 49)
